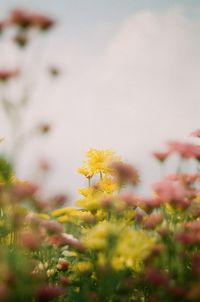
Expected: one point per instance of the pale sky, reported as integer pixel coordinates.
(131, 71)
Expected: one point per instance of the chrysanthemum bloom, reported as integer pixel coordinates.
(98, 162)
(43, 22)
(52, 227)
(152, 220)
(150, 203)
(20, 18)
(23, 19)
(185, 150)
(54, 71)
(125, 173)
(184, 178)
(24, 189)
(66, 239)
(2, 26)
(196, 133)
(63, 264)
(161, 156)
(6, 75)
(156, 277)
(30, 240)
(21, 39)
(49, 292)
(168, 190)
(44, 128)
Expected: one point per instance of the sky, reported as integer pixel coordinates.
(130, 82)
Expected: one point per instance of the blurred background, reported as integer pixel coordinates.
(122, 75)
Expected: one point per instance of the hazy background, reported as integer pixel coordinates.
(130, 81)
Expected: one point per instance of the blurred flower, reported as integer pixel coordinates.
(48, 293)
(2, 26)
(44, 165)
(6, 75)
(54, 71)
(30, 240)
(124, 173)
(21, 39)
(43, 22)
(24, 189)
(196, 264)
(63, 264)
(24, 20)
(185, 150)
(52, 227)
(196, 133)
(156, 277)
(66, 239)
(44, 128)
(168, 190)
(20, 18)
(98, 162)
(4, 293)
(152, 220)
(161, 156)
(187, 238)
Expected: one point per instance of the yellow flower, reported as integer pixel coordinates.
(118, 245)
(91, 200)
(43, 216)
(63, 211)
(83, 266)
(85, 171)
(107, 185)
(99, 160)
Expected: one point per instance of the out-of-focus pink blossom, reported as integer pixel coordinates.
(152, 220)
(6, 75)
(30, 240)
(125, 173)
(196, 133)
(52, 227)
(169, 190)
(25, 20)
(24, 189)
(161, 156)
(187, 238)
(66, 239)
(185, 150)
(184, 178)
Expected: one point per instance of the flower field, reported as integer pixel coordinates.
(110, 245)
(113, 245)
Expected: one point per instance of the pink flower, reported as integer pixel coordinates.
(161, 156)
(196, 133)
(168, 190)
(185, 150)
(151, 221)
(52, 227)
(125, 173)
(6, 75)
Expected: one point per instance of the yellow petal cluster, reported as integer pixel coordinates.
(122, 246)
(98, 161)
